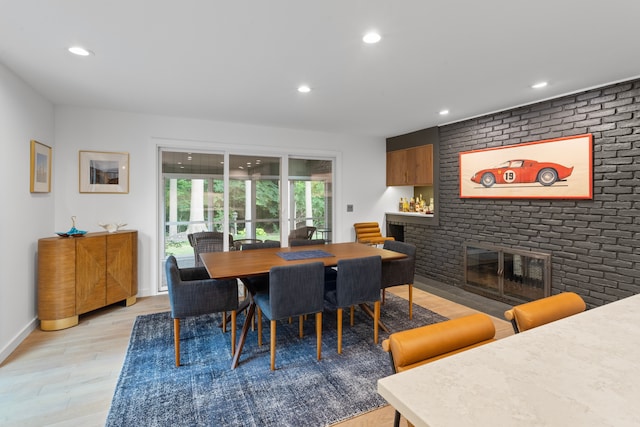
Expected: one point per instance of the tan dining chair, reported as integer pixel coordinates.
(369, 233)
(415, 347)
(545, 310)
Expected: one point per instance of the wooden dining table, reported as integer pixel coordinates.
(256, 262)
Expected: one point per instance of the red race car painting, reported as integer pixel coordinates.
(522, 171)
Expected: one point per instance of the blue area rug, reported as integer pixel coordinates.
(298, 255)
(302, 391)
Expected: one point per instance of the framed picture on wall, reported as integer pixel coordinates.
(40, 168)
(104, 172)
(559, 168)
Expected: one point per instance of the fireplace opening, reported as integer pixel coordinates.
(396, 231)
(506, 274)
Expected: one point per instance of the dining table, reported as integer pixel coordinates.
(256, 262)
(582, 370)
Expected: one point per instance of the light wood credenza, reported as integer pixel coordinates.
(80, 274)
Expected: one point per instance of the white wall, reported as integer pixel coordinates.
(360, 170)
(24, 217)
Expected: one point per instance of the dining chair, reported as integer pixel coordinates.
(369, 233)
(193, 293)
(415, 347)
(294, 290)
(207, 241)
(545, 310)
(357, 282)
(399, 271)
(329, 272)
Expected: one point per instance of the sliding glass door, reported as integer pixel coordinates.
(241, 197)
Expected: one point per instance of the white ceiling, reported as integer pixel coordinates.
(241, 61)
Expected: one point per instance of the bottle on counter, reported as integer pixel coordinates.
(412, 205)
(401, 204)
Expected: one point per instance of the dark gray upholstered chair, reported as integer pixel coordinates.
(294, 290)
(306, 242)
(193, 293)
(329, 272)
(399, 271)
(207, 241)
(260, 283)
(358, 282)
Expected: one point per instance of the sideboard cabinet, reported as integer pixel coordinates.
(80, 274)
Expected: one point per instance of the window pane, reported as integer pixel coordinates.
(254, 197)
(311, 195)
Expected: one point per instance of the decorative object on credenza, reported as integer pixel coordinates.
(111, 227)
(40, 168)
(560, 168)
(104, 172)
(73, 231)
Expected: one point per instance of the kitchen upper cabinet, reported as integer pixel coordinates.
(411, 166)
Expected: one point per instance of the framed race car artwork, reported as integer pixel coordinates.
(560, 168)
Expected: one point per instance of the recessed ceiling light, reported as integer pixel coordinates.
(539, 85)
(444, 112)
(371, 37)
(80, 51)
(304, 89)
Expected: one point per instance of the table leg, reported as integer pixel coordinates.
(369, 312)
(243, 334)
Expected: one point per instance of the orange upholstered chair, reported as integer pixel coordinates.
(414, 347)
(369, 233)
(545, 310)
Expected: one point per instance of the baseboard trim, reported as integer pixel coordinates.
(17, 340)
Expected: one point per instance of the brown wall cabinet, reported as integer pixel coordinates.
(80, 274)
(411, 166)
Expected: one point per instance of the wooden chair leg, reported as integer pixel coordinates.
(384, 294)
(352, 314)
(273, 345)
(233, 332)
(259, 312)
(376, 321)
(339, 331)
(301, 327)
(319, 334)
(410, 301)
(176, 339)
(224, 322)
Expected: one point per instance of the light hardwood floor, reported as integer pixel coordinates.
(67, 378)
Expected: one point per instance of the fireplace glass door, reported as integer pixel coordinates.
(507, 274)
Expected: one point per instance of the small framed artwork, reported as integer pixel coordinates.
(40, 168)
(104, 172)
(560, 168)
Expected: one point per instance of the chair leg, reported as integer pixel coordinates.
(396, 420)
(224, 322)
(376, 321)
(273, 345)
(384, 294)
(176, 339)
(339, 331)
(410, 301)
(233, 332)
(319, 334)
(259, 326)
(352, 314)
(301, 327)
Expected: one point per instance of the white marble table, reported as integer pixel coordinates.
(580, 371)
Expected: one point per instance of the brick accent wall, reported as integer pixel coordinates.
(595, 244)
